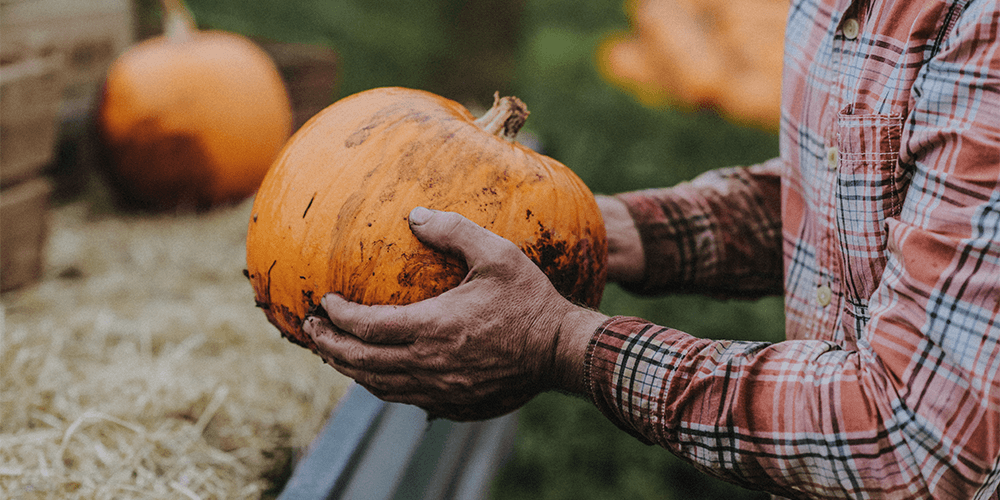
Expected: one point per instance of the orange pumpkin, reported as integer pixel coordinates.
(331, 215)
(720, 54)
(192, 117)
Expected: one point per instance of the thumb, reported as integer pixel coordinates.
(453, 233)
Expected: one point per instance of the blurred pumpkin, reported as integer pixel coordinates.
(191, 118)
(331, 215)
(719, 54)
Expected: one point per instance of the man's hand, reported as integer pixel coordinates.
(626, 259)
(479, 350)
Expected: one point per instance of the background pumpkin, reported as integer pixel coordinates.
(191, 117)
(331, 214)
(719, 54)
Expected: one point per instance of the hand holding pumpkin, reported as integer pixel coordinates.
(479, 350)
(331, 214)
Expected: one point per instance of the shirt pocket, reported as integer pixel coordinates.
(870, 188)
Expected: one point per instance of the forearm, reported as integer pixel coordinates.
(798, 419)
(719, 234)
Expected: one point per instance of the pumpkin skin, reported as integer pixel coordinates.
(331, 214)
(192, 119)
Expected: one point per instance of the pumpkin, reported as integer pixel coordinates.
(331, 214)
(191, 118)
(720, 54)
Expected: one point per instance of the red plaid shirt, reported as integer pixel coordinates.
(880, 223)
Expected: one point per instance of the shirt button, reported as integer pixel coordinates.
(851, 28)
(823, 295)
(832, 156)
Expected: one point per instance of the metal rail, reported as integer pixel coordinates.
(370, 449)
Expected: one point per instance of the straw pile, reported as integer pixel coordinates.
(140, 368)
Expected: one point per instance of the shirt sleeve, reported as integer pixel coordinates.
(719, 234)
(914, 411)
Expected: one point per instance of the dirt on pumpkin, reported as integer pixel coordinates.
(139, 366)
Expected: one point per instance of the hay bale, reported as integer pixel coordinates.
(140, 368)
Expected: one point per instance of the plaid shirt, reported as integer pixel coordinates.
(880, 224)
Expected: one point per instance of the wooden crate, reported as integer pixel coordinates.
(310, 76)
(30, 93)
(54, 55)
(23, 232)
(86, 35)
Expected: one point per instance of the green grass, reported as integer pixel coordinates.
(543, 51)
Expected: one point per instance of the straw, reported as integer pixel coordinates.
(140, 368)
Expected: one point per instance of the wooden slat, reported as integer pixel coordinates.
(30, 93)
(23, 232)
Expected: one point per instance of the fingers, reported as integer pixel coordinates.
(372, 324)
(379, 368)
(451, 232)
(345, 350)
(387, 371)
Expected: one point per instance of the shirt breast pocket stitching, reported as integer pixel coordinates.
(868, 192)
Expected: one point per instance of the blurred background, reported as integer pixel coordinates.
(589, 110)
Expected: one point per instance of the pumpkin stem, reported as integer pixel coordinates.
(505, 118)
(178, 22)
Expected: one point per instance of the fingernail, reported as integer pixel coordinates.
(309, 325)
(419, 215)
(325, 300)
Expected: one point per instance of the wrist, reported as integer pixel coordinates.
(575, 331)
(626, 255)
